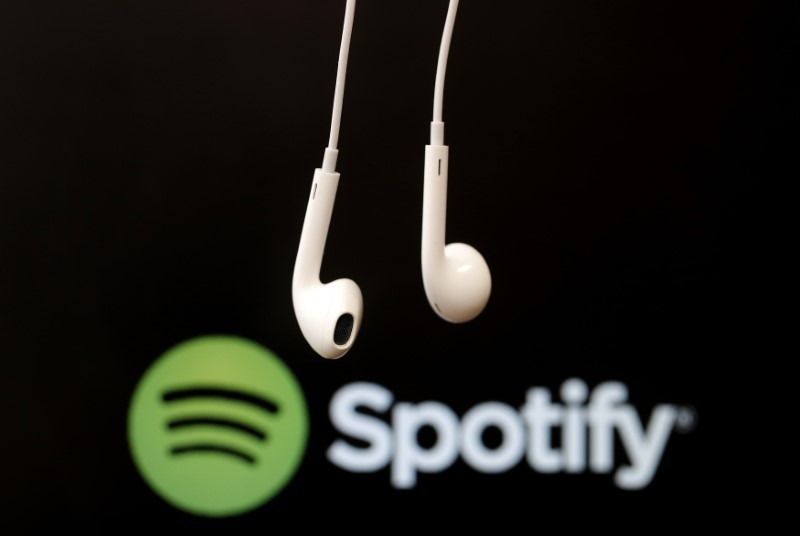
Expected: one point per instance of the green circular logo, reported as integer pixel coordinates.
(218, 426)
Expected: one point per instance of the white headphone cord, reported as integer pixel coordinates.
(437, 126)
(329, 162)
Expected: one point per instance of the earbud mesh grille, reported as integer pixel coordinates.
(343, 329)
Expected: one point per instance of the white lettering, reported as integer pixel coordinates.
(644, 449)
(586, 431)
(510, 451)
(375, 432)
(542, 417)
(410, 457)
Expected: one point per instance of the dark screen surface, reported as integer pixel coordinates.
(606, 158)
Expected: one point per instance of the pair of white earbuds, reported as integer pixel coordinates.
(455, 276)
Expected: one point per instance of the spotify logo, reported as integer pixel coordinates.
(218, 426)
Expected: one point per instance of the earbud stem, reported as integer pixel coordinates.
(434, 207)
(315, 229)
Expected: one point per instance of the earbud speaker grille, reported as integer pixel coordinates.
(343, 329)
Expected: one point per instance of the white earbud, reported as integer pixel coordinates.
(329, 314)
(455, 276)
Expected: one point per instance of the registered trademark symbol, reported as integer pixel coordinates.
(686, 420)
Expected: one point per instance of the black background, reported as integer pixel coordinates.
(607, 158)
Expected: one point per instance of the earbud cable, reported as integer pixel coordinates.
(437, 127)
(329, 163)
